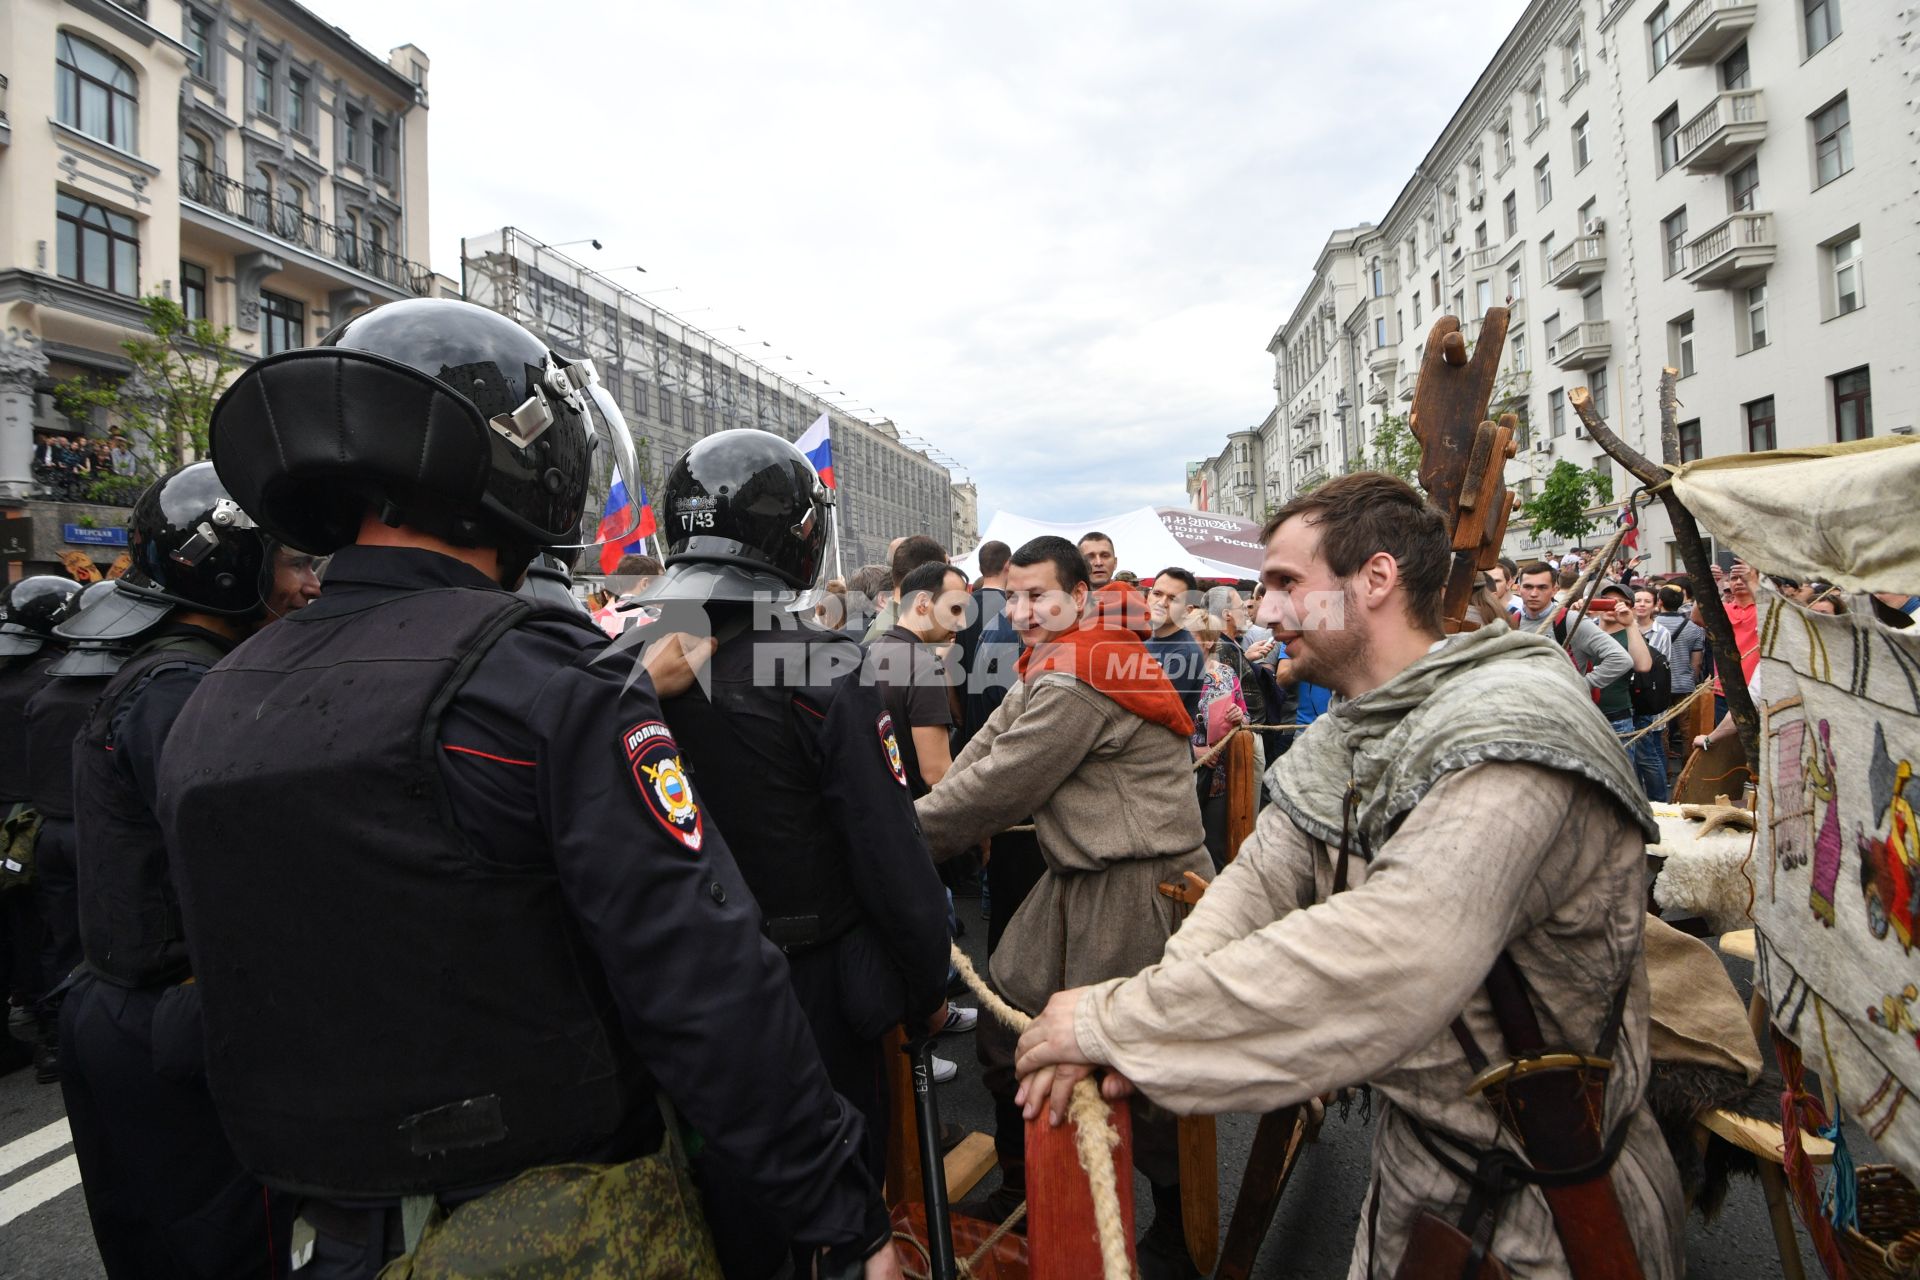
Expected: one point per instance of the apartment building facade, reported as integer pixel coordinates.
(245, 158)
(677, 384)
(1723, 186)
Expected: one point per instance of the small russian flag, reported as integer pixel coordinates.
(613, 522)
(817, 444)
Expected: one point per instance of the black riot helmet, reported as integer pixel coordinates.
(192, 547)
(745, 517)
(93, 657)
(433, 413)
(33, 607)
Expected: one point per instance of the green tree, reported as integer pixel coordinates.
(163, 406)
(1395, 449)
(1561, 507)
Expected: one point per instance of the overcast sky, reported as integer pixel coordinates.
(1053, 239)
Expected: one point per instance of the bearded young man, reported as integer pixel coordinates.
(1314, 961)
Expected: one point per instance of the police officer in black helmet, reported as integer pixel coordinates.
(28, 611)
(798, 761)
(165, 1194)
(504, 925)
(55, 714)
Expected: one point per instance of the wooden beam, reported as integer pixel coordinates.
(967, 1163)
(1686, 534)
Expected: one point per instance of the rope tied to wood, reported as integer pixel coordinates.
(1094, 1136)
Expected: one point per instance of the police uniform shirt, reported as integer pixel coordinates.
(538, 767)
(913, 686)
(20, 679)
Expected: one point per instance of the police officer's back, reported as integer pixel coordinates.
(164, 1191)
(798, 761)
(29, 610)
(504, 919)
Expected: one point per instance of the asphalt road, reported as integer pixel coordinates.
(44, 1234)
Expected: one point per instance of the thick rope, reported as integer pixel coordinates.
(1094, 1137)
(1668, 716)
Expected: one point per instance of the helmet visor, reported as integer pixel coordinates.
(612, 514)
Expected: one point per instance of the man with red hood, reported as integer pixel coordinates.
(1093, 742)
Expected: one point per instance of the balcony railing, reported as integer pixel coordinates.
(1587, 344)
(1579, 262)
(1480, 260)
(1737, 251)
(1731, 125)
(1706, 29)
(1408, 379)
(3, 102)
(266, 212)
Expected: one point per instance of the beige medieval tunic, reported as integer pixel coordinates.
(1271, 993)
(1113, 804)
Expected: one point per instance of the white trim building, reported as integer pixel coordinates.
(1726, 186)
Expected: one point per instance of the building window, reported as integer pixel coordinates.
(1476, 176)
(265, 65)
(1582, 145)
(193, 290)
(199, 38)
(1822, 23)
(1378, 275)
(1482, 296)
(1760, 436)
(1480, 235)
(1690, 441)
(1510, 214)
(1659, 38)
(98, 246)
(1550, 329)
(97, 93)
(1576, 52)
(283, 323)
(350, 126)
(1667, 131)
(1852, 405)
(1673, 233)
(1416, 307)
(1832, 142)
(1557, 412)
(1756, 318)
(297, 102)
(378, 149)
(1379, 331)
(1743, 188)
(1680, 342)
(1542, 184)
(1597, 388)
(1546, 256)
(1517, 344)
(1536, 106)
(1514, 290)
(1503, 144)
(1849, 290)
(1736, 70)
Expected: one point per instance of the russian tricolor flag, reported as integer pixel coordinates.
(614, 521)
(817, 444)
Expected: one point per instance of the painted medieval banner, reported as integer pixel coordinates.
(1837, 864)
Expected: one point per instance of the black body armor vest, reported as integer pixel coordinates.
(20, 679)
(388, 1012)
(130, 927)
(756, 762)
(55, 717)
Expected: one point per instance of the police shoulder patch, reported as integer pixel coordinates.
(890, 746)
(654, 758)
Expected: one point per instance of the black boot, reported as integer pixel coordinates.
(1163, 1249)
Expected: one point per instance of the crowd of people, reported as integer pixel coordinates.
(67, 467)
(585, 906)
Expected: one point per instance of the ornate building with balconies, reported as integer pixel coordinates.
(1722, 186)
(245, 158)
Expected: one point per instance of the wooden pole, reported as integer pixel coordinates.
(1693, 552)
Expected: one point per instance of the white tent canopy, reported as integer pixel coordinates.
(1142, 542)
